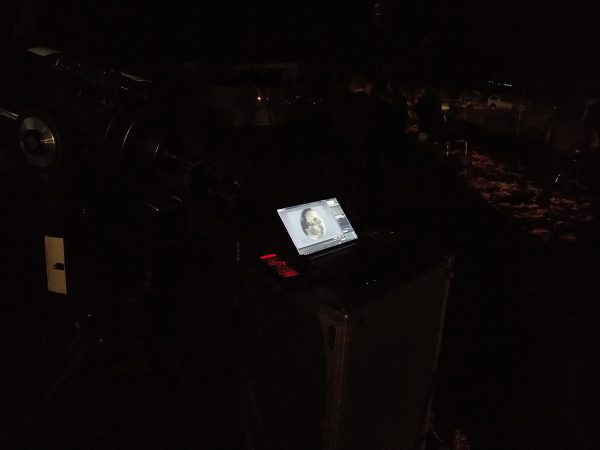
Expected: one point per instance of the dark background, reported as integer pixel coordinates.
(519, 365)
(535, 43)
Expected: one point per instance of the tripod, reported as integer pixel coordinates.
(100, 328)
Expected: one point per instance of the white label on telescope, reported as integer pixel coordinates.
(55, 264)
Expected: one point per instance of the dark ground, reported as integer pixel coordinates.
(519, 363)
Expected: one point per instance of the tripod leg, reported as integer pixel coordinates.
(66, 364)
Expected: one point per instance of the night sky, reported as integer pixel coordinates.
(526, 42)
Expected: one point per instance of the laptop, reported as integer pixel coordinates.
(324, 237)
(318, 227)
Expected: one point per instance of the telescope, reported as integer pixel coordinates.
(65, 111)
(104, 142)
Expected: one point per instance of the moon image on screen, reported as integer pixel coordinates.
(312, 224)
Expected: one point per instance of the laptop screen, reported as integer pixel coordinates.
(317, 226)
